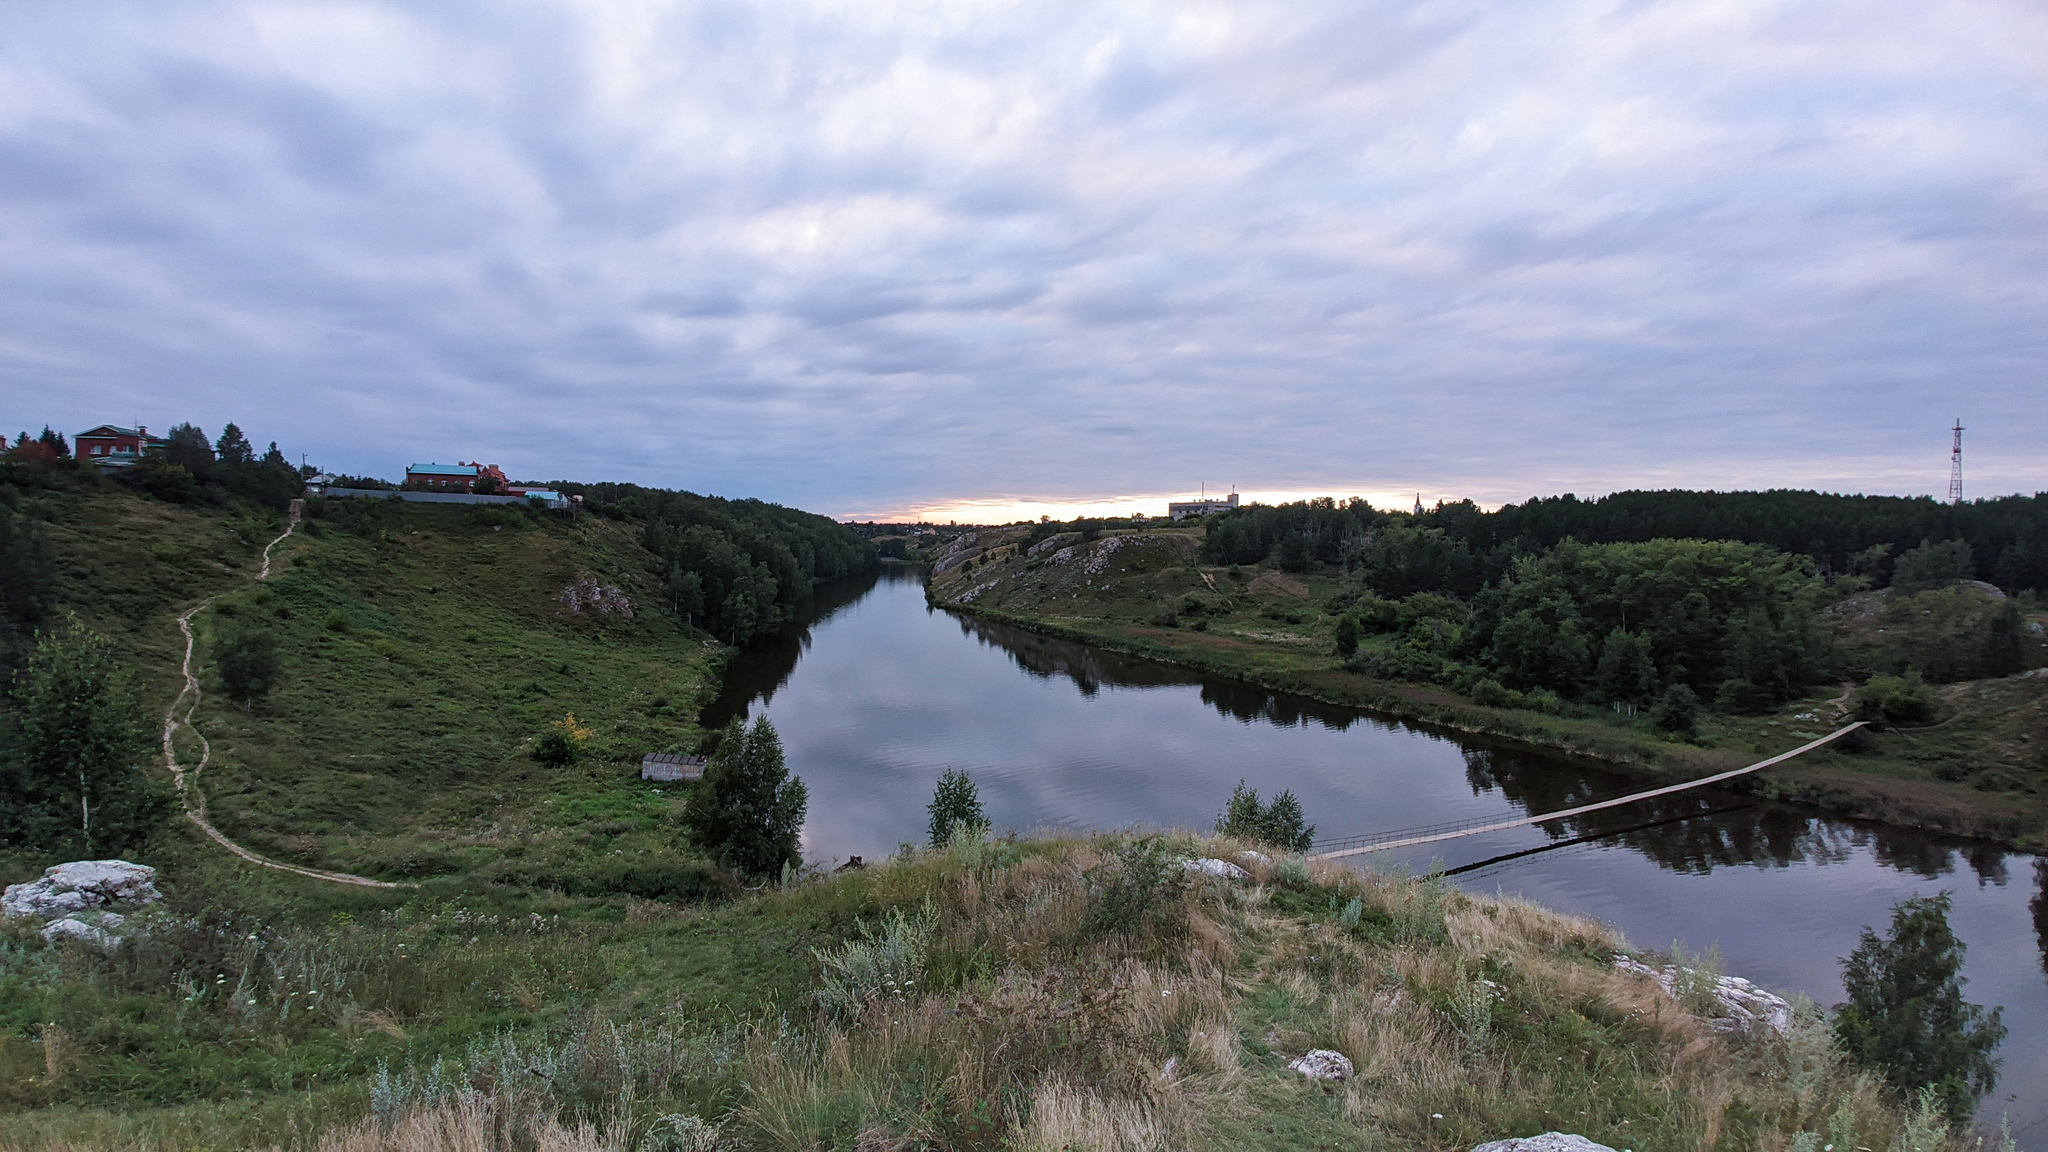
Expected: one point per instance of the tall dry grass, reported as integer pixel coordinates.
(1093, 994)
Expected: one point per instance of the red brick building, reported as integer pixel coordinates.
(453, 477)
(112, 446)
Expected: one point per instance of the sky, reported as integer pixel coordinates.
(982, 260)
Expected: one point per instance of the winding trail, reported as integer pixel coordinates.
(186, 777)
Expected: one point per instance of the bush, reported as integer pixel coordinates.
(1906, 1016)
(886, 964)
(561, 743)
(1491, 693)
(247, 660)
(1677, 710)
(1900, 700)
(955, 804)
(1741, 696)
(1347, 635)
(748, 809)
(1137, 891)
(1278, 824)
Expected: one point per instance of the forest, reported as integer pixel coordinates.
(1673, 601)
(736, 568)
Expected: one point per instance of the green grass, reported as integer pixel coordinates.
(1983, 773)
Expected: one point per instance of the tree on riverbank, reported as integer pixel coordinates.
(1278, 823)
(748, 809)
(1906, 1016)
(955, 804)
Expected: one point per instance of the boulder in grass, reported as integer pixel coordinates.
(1323, 1064)
(76, 899)
(1548, 1142)
(1221, 869)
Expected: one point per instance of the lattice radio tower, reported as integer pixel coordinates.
(1955, 467)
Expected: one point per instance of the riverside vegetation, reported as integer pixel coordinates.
(455, 698)
(1672, 632)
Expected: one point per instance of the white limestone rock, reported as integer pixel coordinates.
(1221, 869)
(1743, 1004)
(1548, 1142)
(76, 899)
(1323, 1064)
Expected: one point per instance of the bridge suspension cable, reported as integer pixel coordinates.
(1432, 833)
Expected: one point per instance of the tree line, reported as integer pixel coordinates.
(1662, 601)
(736, 568)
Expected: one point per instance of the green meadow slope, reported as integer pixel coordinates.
(1981, 770)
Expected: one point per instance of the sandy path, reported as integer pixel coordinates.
(186, 777)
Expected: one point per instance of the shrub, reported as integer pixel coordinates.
(748, 809)
(1136, 892)
(1677, 710)
(1900, 700)
(955, 804)
(561, 743)
(1347, 635)
(1906, 1016)
(1278, 823)
(247, 660)
(886, 964)
(1491, 693)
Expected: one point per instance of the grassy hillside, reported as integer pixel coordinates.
(423, 647)
(1038, 995)
(1982, 770)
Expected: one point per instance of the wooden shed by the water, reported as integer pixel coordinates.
(671, 766)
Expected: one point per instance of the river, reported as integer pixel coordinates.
(877, 693)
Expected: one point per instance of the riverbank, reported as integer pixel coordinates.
(1979, 774)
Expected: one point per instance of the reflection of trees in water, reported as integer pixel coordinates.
(2039, 907)
(761, 670)
(1090, 668)
(1755, 833)
(1752, 834)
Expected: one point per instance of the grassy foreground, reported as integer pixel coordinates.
(1982, 771)
(1045, 994)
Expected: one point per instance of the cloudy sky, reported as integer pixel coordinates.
(870, 257)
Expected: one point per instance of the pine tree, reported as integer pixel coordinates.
(1906, 1016)
(748, 809)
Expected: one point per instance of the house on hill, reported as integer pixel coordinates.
(112, 446)
(453, 477)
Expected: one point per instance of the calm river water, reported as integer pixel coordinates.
(878, 694)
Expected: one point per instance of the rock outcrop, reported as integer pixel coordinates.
(76, 900)
(1221, 869)
(1743, 1004)
(1548, 1142)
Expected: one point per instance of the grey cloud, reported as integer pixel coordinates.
(1069, 249)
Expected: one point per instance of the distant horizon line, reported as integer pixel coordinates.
(1154, 505)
